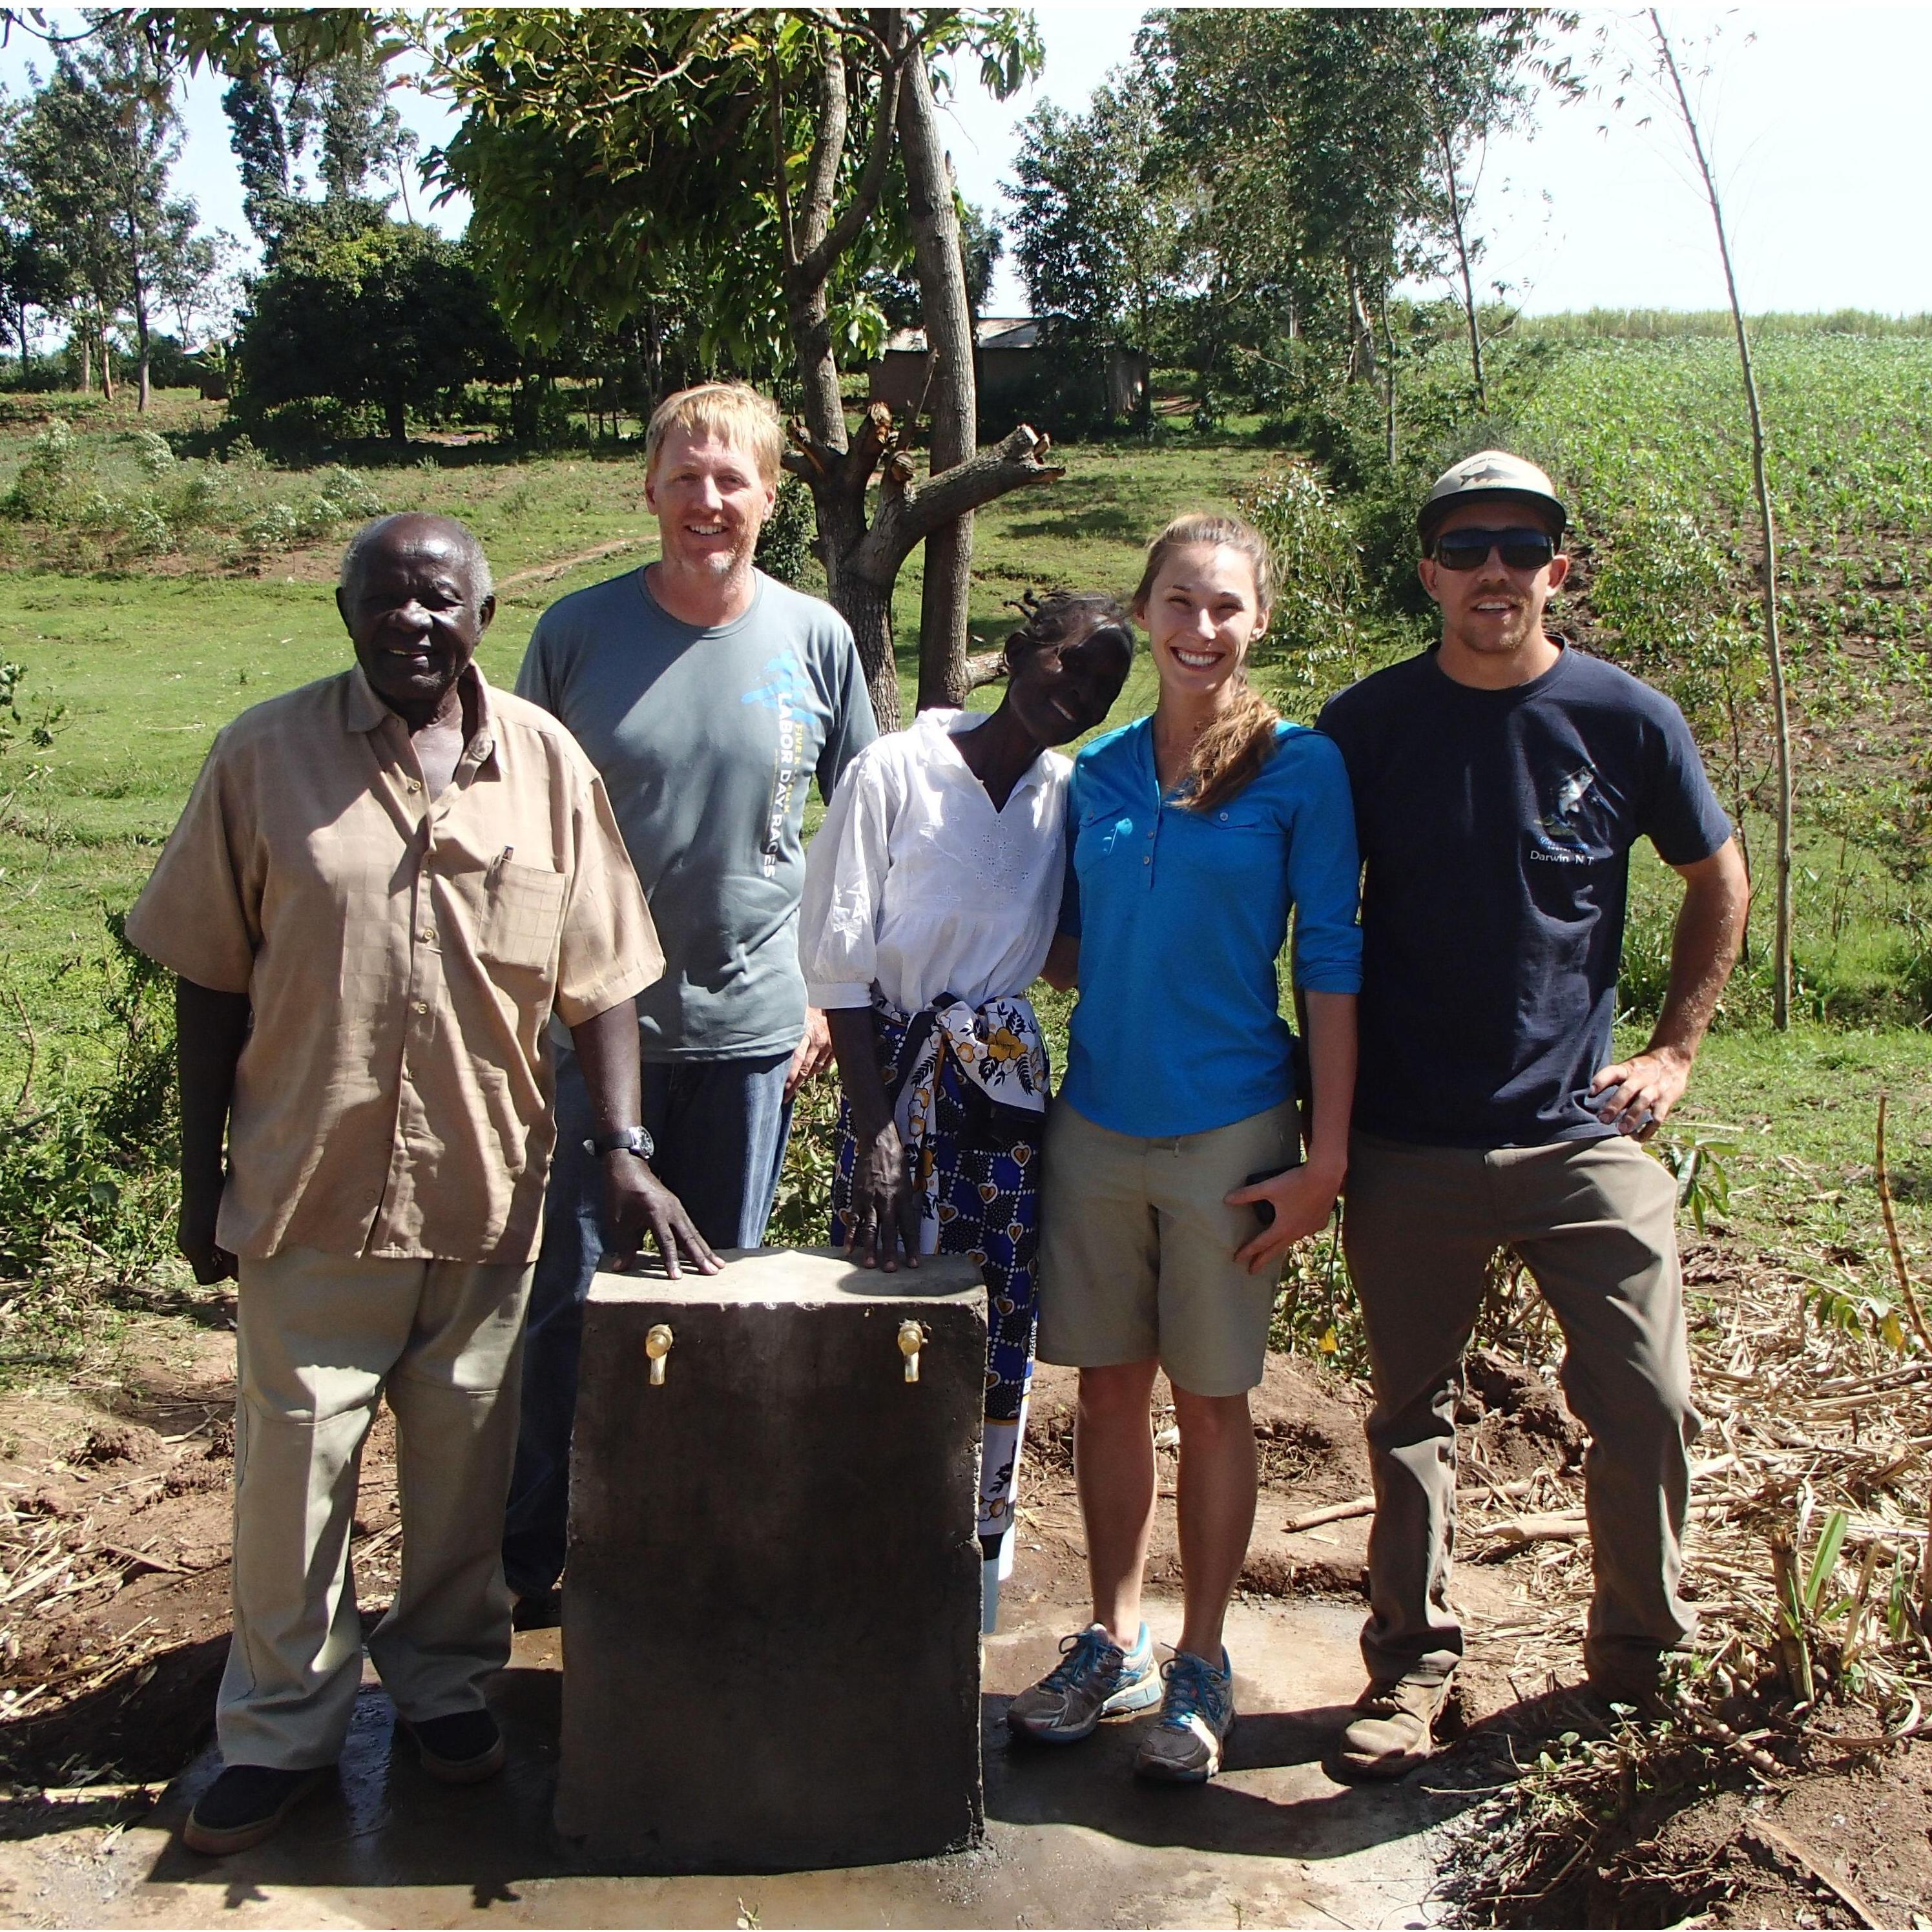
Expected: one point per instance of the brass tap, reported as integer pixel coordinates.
(912, 1339)
(657, 1345)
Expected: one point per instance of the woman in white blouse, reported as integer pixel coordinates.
(931, 896)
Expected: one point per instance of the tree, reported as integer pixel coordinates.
(1097, 226)
(354, 306)
(33, 274)
(98, 143)
(283, 105)
(1352, 165)
(755, 149)
(1481, 74)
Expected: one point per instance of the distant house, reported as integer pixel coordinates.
(1006, 368)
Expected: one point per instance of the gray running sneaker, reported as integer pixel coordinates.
(1393, 1730)
(1196, 1714)
(1094, 1678)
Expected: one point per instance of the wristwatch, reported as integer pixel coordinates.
(622, 1140)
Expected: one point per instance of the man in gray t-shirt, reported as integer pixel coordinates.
(708, 696)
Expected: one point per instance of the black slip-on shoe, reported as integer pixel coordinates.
(245, 1804)
(463, 1748)
(542, 1609)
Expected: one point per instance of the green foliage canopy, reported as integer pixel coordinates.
(355, 306)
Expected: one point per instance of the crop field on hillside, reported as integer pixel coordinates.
(1651, 439)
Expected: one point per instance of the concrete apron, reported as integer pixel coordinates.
(1073, 1838)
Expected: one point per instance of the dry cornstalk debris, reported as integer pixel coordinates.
(1817, 1434)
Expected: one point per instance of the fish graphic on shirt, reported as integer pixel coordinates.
(1559, 823)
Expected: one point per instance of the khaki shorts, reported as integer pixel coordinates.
(1137, 1249)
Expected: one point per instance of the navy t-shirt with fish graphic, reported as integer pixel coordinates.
(1495, 828)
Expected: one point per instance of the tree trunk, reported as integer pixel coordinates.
(1361, 332)
(1388, 382)
(141, 392)
(1456, 228)
(106, 360)
(862, 557)
(868, 609)
(934, 216)
(86, 359)
(26, 354)
(1781, 996)
(395, 415)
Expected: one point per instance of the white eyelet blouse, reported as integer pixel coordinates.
(916, 884)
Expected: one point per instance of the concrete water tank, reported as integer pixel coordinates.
(771, 1602)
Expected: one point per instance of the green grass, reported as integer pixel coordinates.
(148, 664)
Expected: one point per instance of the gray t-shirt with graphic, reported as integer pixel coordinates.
(707, 741)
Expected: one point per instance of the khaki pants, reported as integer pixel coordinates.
(1595, 1222)
(321, 1339)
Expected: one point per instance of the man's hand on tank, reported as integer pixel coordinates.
(636, 1201)
(1635, 1095)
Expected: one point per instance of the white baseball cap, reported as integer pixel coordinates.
(1490, 472)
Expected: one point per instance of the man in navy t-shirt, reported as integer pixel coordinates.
(1500, 781)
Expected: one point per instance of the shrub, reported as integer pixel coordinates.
(87, 1163)
(63, 486)
(785, 544)
(44, 490)
(1313, 636)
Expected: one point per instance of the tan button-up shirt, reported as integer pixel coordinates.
(402, 956)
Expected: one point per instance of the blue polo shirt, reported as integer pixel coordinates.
(1182, 915)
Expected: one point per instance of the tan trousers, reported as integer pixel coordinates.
(321, 1339)
(1595, 1221)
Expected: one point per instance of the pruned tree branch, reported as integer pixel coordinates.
(908, 513)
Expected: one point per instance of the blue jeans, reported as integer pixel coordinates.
(720, 1126)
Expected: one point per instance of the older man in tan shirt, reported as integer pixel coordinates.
(382, 885)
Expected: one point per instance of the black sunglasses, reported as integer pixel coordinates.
(1469, 549)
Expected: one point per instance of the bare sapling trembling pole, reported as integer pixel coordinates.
(1774, 650)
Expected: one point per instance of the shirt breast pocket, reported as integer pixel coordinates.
(1232, 838)
(1102, 835)
(522, 914)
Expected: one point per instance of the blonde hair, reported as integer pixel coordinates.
(732, 412)
(1229, 755)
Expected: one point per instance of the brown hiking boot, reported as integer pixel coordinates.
(1392, 1733)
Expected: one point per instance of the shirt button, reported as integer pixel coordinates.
(1224, 818)
(1147, 858)
(420, 1006)
(410, 785)
(427, 932)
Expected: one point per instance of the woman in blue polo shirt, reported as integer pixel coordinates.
(1174, 1183)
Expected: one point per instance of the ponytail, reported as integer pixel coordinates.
(1229, 755)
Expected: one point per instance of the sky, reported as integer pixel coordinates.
(1814, 115)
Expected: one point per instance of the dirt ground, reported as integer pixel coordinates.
(114, 1626)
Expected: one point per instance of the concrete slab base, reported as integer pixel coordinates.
(1071, 1839)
